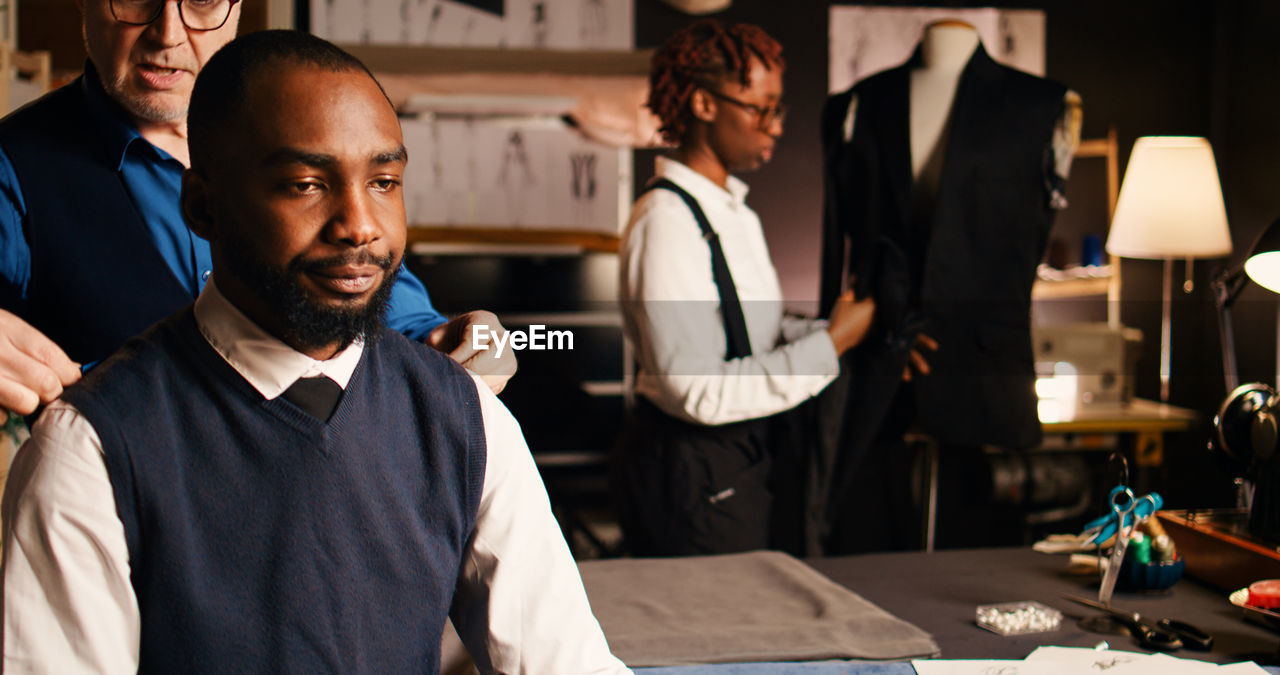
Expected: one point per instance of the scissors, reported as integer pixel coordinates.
(1165, 635)
(1125, 513)
(1102, 528)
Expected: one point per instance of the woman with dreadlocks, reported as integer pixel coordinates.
(703, 307)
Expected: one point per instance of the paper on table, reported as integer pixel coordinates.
(1083, 659)
(991, 667)
(1242, 668)
(1114, 662)
(1165, 664)
(965, 667)
(1086, 660)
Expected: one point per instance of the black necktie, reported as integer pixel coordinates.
(317, 396)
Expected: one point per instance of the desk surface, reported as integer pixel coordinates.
(1138, 416)
(939, 591)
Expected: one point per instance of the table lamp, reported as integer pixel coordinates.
(1170, 206)
(1246, 427)
(1262, 266)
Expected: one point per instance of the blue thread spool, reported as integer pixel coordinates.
(1091, 250)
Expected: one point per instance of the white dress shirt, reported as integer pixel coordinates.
(671, 309)
(69, 607)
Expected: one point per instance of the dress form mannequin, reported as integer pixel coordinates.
(939, 204)
(944, 51)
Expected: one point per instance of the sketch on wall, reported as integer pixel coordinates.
(494, 172)
(9, 21)
(865, 40)
(515, 178)
(491, 6)
(533, 24)
(583, 186)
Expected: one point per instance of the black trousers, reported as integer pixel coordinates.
(690, 489)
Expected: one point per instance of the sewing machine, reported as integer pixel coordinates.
(1085, 364)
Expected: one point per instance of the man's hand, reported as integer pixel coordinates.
(917, 361)
(850, 321)
(455, 339)
(33, 370)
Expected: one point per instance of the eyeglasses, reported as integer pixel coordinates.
(195, 14)
(765, 116)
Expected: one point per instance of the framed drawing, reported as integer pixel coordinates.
(527, 24)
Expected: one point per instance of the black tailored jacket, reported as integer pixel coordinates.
(969, 284)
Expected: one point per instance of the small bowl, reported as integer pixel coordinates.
(1155, 576)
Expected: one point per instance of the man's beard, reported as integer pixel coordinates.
(307, 322)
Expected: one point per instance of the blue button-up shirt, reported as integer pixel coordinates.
(153, 179)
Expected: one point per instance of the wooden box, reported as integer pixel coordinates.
(1218, 549)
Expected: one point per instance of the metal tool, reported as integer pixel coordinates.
(1165, 635)
(1191, 636)
(1127, 515)
(1100, 529)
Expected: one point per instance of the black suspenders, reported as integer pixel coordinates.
(735, 325)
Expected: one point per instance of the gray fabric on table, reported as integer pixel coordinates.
(758, 606)
(790, 668)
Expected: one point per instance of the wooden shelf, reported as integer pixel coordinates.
(1104, 148)
(1139, 415)
(1094, 147)
(405, 60)
(1070, 288)
(492, 236)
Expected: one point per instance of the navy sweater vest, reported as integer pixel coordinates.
(263, 540)
(97, 278)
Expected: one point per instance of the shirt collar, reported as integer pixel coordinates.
(115, 128)
(268, 364)
(699, 185)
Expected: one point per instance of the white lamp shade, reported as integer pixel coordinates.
(1170, 204)
(699, 6)
(1264, 270)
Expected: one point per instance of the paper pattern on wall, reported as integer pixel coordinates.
(478, 172)
(8, 24)
(534, 24)
(865, 40)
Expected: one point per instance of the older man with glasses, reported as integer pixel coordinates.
(93, 248)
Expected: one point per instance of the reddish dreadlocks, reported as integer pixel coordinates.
(700, 55)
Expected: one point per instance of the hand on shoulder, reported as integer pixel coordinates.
(457, 339)
(33, 370)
